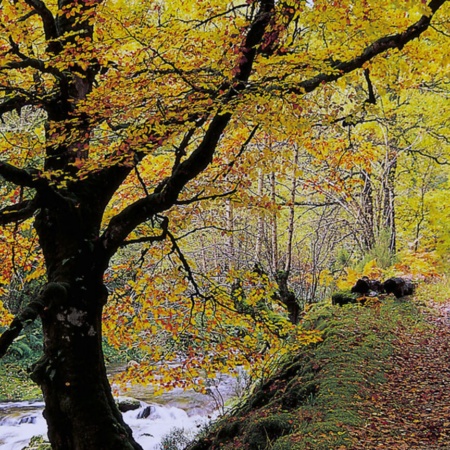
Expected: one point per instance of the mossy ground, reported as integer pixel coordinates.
(38, 443)
(15, 384)
(313, 400)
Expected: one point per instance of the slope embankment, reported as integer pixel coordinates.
(380, 379)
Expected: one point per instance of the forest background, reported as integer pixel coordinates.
(219, 169)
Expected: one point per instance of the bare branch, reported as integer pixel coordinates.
(436, 159)
(199, 198)
(185, 264)
(240, 152)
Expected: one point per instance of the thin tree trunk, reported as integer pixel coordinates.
(390, 173)
(260, 224)
(287, 266)
(274, 225)
(230, 226)
(367, 211)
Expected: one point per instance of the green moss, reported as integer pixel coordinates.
(261, 433)
(38, 443)
(312, 401)
(16, 385)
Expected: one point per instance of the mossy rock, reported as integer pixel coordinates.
(342, 298)
(38, 443)
(127, 404)
(229, 429)
(298, 392)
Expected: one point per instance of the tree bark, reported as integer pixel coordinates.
(274, 255)
(287, 297)
(389, 176)
(79, 407)
(367, 219)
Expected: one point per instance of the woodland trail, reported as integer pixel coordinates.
(411, 411)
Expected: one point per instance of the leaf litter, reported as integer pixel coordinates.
(411, 409)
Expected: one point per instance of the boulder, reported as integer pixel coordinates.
(146, 412)
(400, 287)
(368, 287)
(343, 298)
(127, 404)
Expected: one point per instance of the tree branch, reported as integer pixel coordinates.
(166, 193)
(20, 211)
(164, 227)
(48, 21)
(186, 266)
(33, 63)
(50, 293)
(396, 41)
(15, 103)
(198, 198)
(239, 153)
(371, 99)
(20, 177)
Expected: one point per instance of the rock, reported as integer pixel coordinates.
(398, 286)
(127, 404)
(27, 419)
(343, 298)
(146, 412)
(368, 287)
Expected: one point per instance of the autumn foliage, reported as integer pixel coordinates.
(182, 170)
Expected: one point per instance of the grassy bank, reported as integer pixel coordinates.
(312, 401)
(15, 384)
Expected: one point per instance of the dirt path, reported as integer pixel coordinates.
(412, 410)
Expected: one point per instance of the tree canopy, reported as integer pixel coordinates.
(126, 124)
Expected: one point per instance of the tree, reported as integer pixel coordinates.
(143, 106)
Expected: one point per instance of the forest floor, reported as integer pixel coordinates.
(380, 379)
(412, 408)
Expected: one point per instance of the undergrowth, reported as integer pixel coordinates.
(15, 384)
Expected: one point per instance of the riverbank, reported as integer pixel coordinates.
(15, 384)
(174, 416)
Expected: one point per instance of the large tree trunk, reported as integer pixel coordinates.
(79, 407)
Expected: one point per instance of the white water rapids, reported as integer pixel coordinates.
(156, 417)
(20, 421)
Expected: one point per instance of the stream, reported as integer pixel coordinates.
(154, 419)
